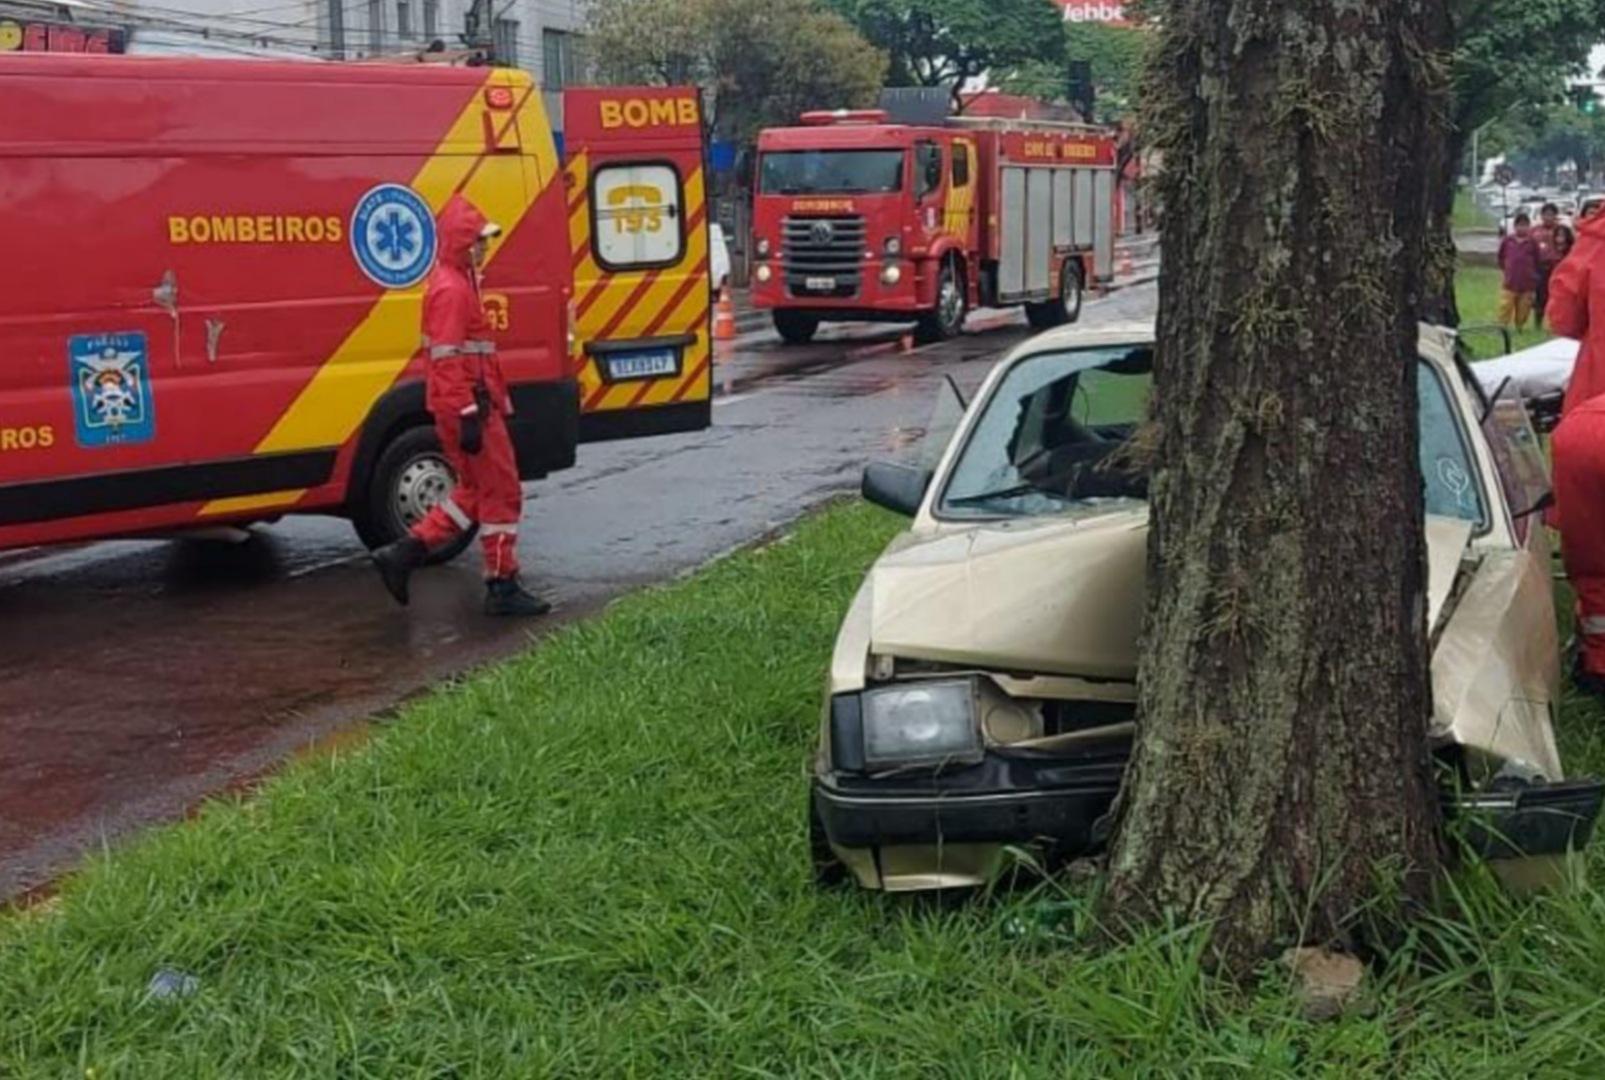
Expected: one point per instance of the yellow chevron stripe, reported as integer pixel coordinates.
(337, 400)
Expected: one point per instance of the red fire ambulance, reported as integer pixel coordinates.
(215, 272)
(856, 218)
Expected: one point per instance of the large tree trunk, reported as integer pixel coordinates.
(1281, 779)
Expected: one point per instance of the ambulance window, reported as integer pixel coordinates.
(636, 218)
(961, 165)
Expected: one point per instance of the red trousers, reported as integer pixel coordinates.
(1578, 447)
(487, 494)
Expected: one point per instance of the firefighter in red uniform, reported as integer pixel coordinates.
(1578, 447)
(468, 398)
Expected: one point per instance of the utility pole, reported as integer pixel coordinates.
(337, 29)
(478, 33)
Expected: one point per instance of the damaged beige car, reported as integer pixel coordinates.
(982, 689)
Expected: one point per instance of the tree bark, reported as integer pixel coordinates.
(1280, 784)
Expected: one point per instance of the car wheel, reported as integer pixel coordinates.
(410, 477)
(947, 320)
(829, 871)
(796, 327)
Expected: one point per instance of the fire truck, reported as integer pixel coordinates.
(858, 218)
(215, 274)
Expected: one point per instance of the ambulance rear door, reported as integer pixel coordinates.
(638, 232)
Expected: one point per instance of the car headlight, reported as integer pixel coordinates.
(893, 246)
(763, 273)
(926, 723)
(891, 275)
(763, 247)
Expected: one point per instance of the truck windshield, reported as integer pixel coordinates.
(831, 172)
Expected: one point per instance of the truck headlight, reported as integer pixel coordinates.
(891, 275)
(763, 247)
(763, 273)
(928, 723)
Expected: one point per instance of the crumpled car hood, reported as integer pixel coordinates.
(1059, 596)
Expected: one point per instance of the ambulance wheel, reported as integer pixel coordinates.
(410, 477)
(796, 327)
(947, 320)
(1066, 308)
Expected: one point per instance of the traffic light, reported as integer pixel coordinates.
(1586, 98)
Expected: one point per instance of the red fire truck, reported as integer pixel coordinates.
(214, 275)
(856, 218)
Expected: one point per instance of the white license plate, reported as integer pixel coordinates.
(646, 364)
(820, 284)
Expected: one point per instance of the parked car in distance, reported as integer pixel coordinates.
(983, 684)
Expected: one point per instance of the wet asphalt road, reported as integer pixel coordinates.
(141, 676)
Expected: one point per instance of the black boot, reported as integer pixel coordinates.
(396, 562)
(505, 596)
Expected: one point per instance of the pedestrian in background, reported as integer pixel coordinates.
(1518, 261)
(1544, 234)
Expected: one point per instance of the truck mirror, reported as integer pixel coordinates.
(896, 486)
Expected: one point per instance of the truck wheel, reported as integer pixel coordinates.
(951, 307)
(796, 327)
(410, 477)
(1066, 308)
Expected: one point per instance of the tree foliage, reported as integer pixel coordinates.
(761, 62)
(948, 42)
(1511, 52)
(1116, 55)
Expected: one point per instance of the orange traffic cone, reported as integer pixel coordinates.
(724, 319)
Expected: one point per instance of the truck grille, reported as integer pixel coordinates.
(819, 248)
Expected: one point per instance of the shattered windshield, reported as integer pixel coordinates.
(1057, 431)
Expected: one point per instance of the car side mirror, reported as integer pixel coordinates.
(896, 486)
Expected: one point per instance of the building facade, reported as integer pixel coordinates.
(541, 36)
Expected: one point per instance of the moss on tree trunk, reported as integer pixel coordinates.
(1281, 780)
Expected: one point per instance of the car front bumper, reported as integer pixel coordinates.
(1540, 820)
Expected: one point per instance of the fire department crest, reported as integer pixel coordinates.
(393, 236)
(111, 389)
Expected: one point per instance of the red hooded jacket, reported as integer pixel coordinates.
(457, 336)
(1577, 309)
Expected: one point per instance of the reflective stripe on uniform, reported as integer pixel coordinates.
(1593, 624)
(499, 530)
(444, 352)
(479, 348)
(453, 511)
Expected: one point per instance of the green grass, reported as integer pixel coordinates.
(1468, 215)
(591, 861)
(1477, 291)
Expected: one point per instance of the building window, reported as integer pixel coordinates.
(431, 19)
(504, 39)
(559, 67)
(403, 19)
(376, 26)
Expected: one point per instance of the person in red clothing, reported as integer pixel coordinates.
(468, 398)
(1578, 445)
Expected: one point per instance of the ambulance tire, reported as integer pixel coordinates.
(947, 321)
(1066, 308)
(795, 327)
(405, 469)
